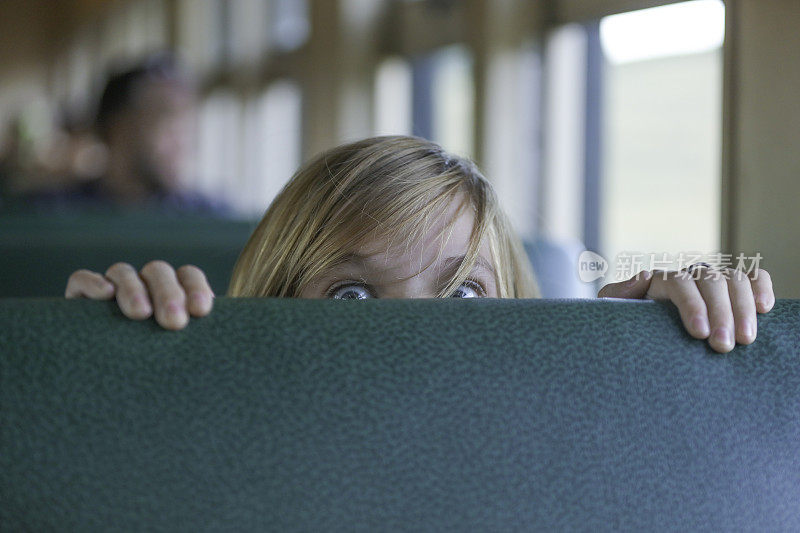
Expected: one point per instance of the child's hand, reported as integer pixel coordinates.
(173, 295)
(721, 308)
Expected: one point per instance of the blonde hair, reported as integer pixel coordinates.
(392, 187)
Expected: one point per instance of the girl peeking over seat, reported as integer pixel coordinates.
(398, 217)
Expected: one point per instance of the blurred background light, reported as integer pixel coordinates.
(683, 28)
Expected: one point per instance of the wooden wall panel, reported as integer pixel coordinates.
(565, 11)
(762, 139)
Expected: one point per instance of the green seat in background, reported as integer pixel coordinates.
(38, 252)
(395, 415)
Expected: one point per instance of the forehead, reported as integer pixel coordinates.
(163, 96)
(445, 236)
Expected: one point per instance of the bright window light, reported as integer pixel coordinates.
(677, 29)
(393, 98)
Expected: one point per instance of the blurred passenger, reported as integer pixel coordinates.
(145, 118)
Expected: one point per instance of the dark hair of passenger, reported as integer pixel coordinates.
(122, 86)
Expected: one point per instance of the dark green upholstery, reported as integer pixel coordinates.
(38, 252)
(439, 415)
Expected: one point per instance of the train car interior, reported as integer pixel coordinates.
(187, 185)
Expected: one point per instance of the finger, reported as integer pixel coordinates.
(169, 299)
(744, 306)
(714, 288)
(634, 288)
(131, 292)
(683, 292)
(87, 284)
(198, 292)
(761, 283)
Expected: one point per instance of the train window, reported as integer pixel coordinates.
(511, 128)
(454, 100)
(271, 145)
(444, 98)
(248, 21)
(661, 140)
(219, 140)
(289, 25)
(249, 147)
(564, 124)
(198, 35)
(392, 97)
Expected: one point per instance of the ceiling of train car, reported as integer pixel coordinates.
(31, 29)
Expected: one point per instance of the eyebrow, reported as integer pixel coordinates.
(449, 264)
(452, 263)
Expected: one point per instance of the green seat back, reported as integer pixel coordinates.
(38, 253)
(436, 415)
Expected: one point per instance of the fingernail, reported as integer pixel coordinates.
(748, 330)
(723, 336)
(174, 308)
(762, 301)
(141, 303)
(175, 317)
(700, 325)
(200, 300)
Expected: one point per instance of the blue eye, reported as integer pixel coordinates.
(469, 289)
(350, 292)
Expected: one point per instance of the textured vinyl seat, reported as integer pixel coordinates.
(38, 252)
(435, 415)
